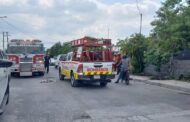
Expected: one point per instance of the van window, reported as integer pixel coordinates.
(63, 58)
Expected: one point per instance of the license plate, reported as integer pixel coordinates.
(96, 76)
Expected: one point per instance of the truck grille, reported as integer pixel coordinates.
(26, 67)
(25, 59)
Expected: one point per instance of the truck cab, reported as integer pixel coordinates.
(90, 61)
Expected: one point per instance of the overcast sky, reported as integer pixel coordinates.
(65, 20)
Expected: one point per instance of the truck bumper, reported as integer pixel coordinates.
(14, 70)
(38, 69)
(92, 78)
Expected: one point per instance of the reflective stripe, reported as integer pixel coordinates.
(66, 73)
(85, 73)
(97, 73)
(109, 73)
(76, 76)
(92, 73)
(104, 73)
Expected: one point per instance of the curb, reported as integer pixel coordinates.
(164, 85)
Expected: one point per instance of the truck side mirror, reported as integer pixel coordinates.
(5, 63)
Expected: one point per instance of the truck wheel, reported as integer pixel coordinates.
(42, 73)
(18, 74)
(74, 83)
(61, 77)
(103, 84)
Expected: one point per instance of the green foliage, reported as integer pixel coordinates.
(134, 47)
(172, 26)
(59, 48)
(171, 32)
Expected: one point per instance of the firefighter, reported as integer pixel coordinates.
(46, 62)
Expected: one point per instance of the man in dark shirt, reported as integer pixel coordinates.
(124, 70)
(46, 62)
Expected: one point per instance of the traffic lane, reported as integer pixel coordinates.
(35, 101)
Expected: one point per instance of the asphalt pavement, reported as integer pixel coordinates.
(36, 99)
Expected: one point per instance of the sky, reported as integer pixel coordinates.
(65, 20)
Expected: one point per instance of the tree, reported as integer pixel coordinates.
(172, 26)
(59, 48)
(134, 47)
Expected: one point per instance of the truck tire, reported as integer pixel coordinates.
(61, 77)
(18, 74)
(42, 73)
(74, 83)
(103, 84)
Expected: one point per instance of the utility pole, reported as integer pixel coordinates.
(140, 13)
(2, 17)
(7, 33)
(3, 41)
(140, 23)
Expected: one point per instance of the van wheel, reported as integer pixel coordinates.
(103, 84)
(74, 83)
(61, 77)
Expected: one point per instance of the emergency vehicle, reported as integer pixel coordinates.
(27, 55)
(90, 61)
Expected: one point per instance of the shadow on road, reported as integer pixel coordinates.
(87, 85)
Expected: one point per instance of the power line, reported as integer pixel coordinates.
(16, 28)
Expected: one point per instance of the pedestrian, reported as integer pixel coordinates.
(46, 62)
(124, 71)
(118, 63)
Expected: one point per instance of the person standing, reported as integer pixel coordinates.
(118, 63)
(124, 71)
(46, 62)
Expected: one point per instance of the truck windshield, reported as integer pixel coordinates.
(20, 49)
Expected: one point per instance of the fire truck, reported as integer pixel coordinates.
(90, 61)
(27, 56)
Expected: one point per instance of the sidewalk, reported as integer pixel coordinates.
(171, 84)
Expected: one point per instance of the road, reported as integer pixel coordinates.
(32, 100)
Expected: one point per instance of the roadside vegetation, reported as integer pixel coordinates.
(170, 34)
(59, 48)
